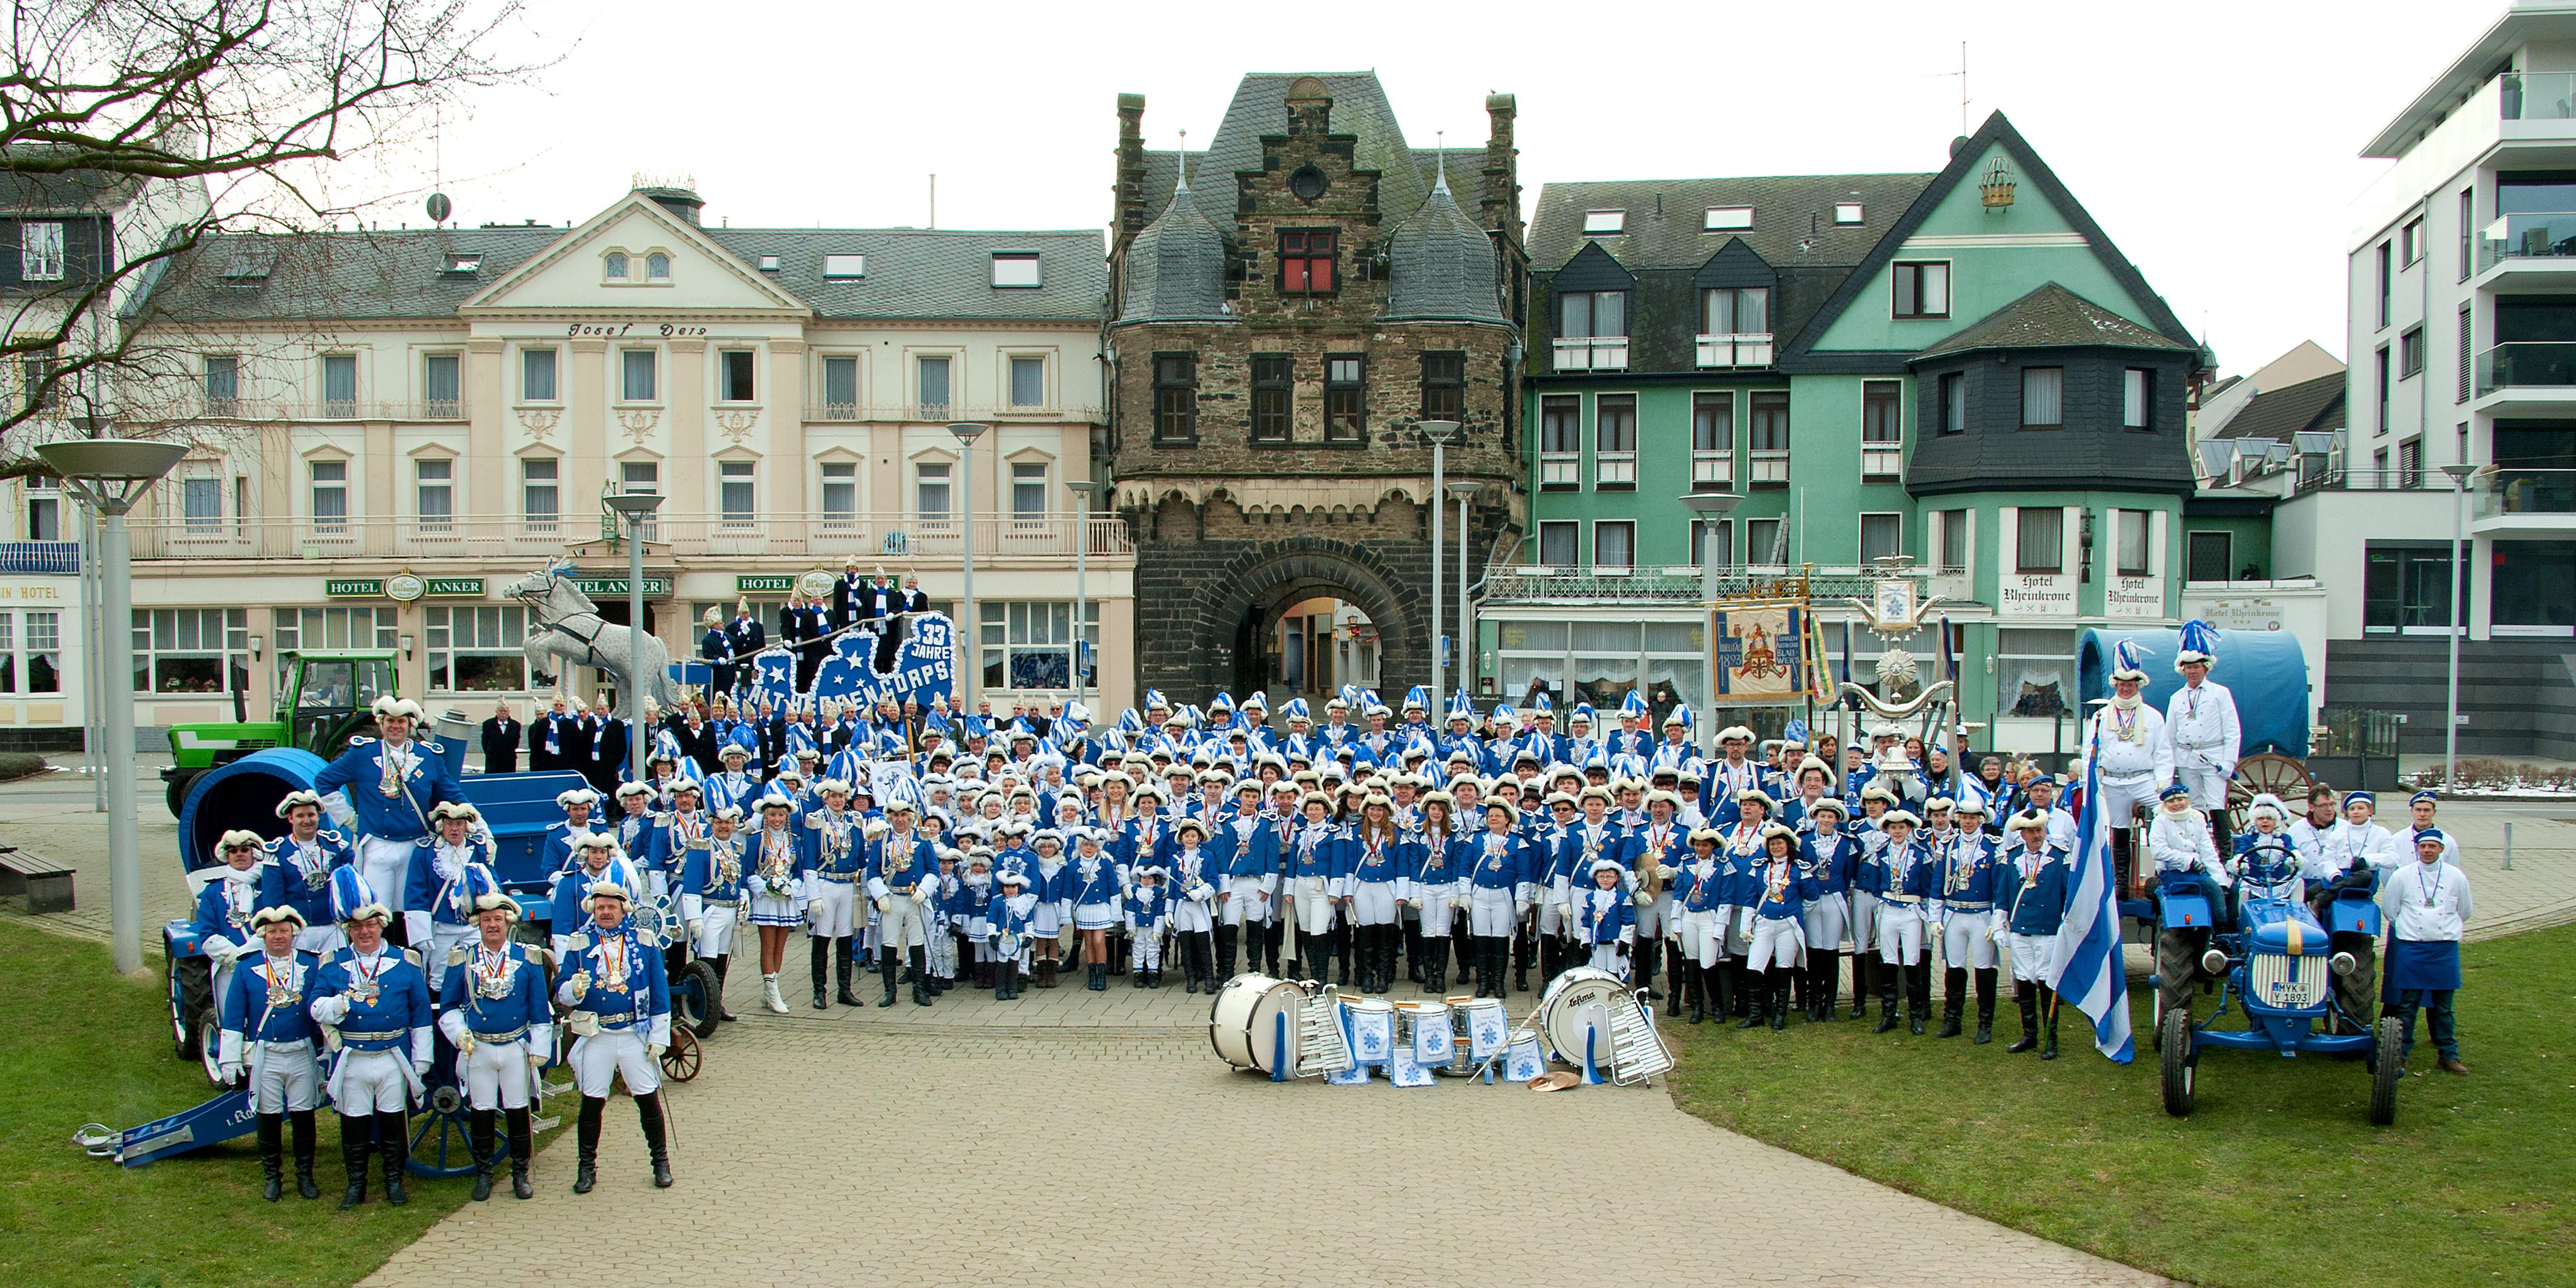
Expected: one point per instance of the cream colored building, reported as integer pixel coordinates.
(454, 403)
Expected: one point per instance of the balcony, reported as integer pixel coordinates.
(1560, 469)
(1770, 467)
(2506, 500)
(265, 409)
(40, 558)
(2529, 251)
(1882, 462)
(1752, 349)
(1596, 353)
(1673, 584)
(2529, 376)
(2537, 96)
(817, 539)
(1712, 471)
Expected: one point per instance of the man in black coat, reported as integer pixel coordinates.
(607, 767)
(501, 736)
(771, 731)
(748, 637)
(547, 735)
(852, 599)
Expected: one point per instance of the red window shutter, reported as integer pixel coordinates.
(1322, 273)
(1292, 275)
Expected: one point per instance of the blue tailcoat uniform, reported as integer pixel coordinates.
(645, 840)
(1643, 854)
(894, 870)
(1831, 861)
(224, 908)
(1905, 874)
(700, 878)
(300, 876)
(522, 1003)
(554, 853)
(2035, 896)
(403, 816)
(643, 1003)
(1595, 925)
(444, 901)
(1968, 874)
(245, 1009)
(1253, 854)
(398, 1018)
(1489, 864)
(1784, 891)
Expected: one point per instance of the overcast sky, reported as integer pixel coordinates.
(2215, 142)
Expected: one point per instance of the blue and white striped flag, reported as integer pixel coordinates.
(2092, 973)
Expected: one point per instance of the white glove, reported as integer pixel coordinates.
(536, 1061)
(1667, 873)
(331, 1009)
(885, 905)
(230, 1073)
(656, 1050)
(695, 923)
(1415, 904)
(923, 896)
(577, 988)
(1642, 899)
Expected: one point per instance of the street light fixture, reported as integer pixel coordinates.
(2459, 472)
(635, 508)
(1441, 433)
(110, 475)
(965, 637)
(1710, 507)
(1083, 490)
(1465, 491)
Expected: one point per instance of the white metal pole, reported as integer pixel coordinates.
(636, 685)
(2451, 677)
(1081, 592)
(94, 655)
(1466, 632)
(966, 638)
(1439, 463)
(124, 849)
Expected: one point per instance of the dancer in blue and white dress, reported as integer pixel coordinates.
(1146, 907)
(778, 875)
(1096, 886)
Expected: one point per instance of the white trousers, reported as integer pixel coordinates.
(442, 939)
(1146, 950)
(1247, 907)
(2208, 786)
(2122, 801)
(829, 916)
(900, 925)
(386, 864)
(1313, 899)
(1965, 943)
(496, 1075)
(1612, 957)
(1778, 944)
(2033, 956)
(1373, 903)
(285, 1078)
(602, 1058)
(322, 941)
(1490, 914)
(715, 930)
(1864, 920)
(1700, 935)
(1654, 918)
(1900, 933)
(378, 1082)
(1824, 921)
(1439, 907)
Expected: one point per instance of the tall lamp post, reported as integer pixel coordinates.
(1083, 490)
(2459, 472)
(635, 508)
(109, 475)
(1441, 433)
(1709, 507)
(1465, 491)
(966, 635)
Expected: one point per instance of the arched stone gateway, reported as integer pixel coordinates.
(1194, 643)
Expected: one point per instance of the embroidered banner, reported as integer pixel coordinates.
(1759, 652)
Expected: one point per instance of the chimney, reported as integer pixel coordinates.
(1310, 108)
(1500, 206)
(1132, 215)
(675, 194)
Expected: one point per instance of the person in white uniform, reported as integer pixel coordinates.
(2200, 721)
(2125, 744)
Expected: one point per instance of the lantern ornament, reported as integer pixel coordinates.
(1996, 189)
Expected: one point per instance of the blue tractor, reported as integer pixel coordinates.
(2276, 962)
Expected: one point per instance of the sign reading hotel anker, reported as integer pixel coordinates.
(454, 587)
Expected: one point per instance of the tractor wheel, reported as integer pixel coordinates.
(2180, 1062)
(192, 998)
(696, 999)
(2388, 1068)
(2283, 776)
(210, 1044)
(176, 795)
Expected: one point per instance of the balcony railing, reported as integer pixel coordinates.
(2499, 491)
(2527, 364)
(203, 407)
(1751, 349)
(1882, 460)
(815, 539)
(1712, 471)
(1596, 353)
(1560, 469)
(1614, 469)
(1668, 584)
(2531, 235)
(2538, 96)
(2336, 478)
(40, 558)
(1770, 465)
(248, 408)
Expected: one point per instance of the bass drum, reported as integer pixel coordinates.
(1578, 1001)
(1243, 1021)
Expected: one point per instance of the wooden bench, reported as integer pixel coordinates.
(47, 884)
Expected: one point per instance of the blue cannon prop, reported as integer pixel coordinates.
(2265, 670)
(244, 793)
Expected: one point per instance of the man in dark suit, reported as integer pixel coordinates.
(851, 597)
(580, 737)
(546, 737)
(501, 736)
(608, 763)
(698, 742)
(815, 621)
(748, 637)
(771, 731)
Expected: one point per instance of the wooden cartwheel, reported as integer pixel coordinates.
(2284, 776)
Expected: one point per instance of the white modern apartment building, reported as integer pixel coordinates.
(388, 427)
(2461, 344)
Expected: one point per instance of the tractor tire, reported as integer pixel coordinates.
(2387, 1069)
(210, 1045)
(192, 998)
(2180, 1062)
(697, 999)
(176, 794)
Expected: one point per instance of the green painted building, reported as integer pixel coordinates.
(1957, 369)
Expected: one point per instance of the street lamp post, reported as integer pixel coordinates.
(1465, 491)
(1440, 432)
(635, 508)
(1710, 507)
(1083, 490)
(109, 475)
(965, 635)
(2459, 472)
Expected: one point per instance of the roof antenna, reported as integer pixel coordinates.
(1440, 158)
(934, 201)
(1963, 87)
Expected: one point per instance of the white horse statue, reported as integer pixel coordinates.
(565, 625)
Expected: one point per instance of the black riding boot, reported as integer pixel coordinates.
(357, 1142)
(479, 1139)
(1274, 937)
(1676, 994)
(1435, 972)
(393, 1140)
(1697, 979)
(1740, 1004)
(648, 1108)
(585, 1168)
(721, 963)
(1828, 978)
(307, 1137)
(1918, 996)
(522, 1146)
(2027, 1002)
(920, 954)
(1780, 1000)
(1646, 971)
(1758, 985)
(1341, 951)
(272, 1156)
(845, 963)
(1862, 970)
(822, 963)
(1954, 1000)
(1521, 964)
(1463, 946)
(2048, 1022)
(1225, 936)
(1887, 980)
(1413, 953)
(1985, 1007)
(889, 972)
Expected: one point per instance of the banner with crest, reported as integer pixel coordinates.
(1762, 654)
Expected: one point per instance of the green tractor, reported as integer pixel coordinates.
(326, 698)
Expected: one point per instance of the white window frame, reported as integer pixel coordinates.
(1861, 534)
(843, 475)
(953, 361)
(1769, 464)
(657, 267)
(1614, 469)
(1964, 522)
(1560, 469)
(1699, 530)
(827, 408)
(530, 521)
(1882, 458)
(616, 266)
(324, 527)
(1726, 219)
(1023, 519)
(1712, 469)
(341, 408)
(1605, 223)
(1007, 628)
(1011, 382)
(844, 266)
(1600, 569)
(1592, 351)
(1017, 270)
(494, 630)
(554, 374)
(40, 251)
(161, 634)
(1770, 526)
(41, 640)
(939, 473)
(742, 474)
(652, 371)
(751, 359)
(2137, 398)
(1573, 531)
(434, 408)
(1738, 347)
(1849, 212)
(427, 522)
(2146, 521)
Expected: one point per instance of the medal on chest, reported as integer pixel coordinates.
(364, 987)
(492, 973)
(282, 983)
(612, 956)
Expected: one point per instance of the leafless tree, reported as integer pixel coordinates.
(233, 115)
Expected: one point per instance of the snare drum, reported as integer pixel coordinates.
(1243, 1021)
(1371, 1023)
(1464, 1017)
(1416, 1017)
(1580, 1000)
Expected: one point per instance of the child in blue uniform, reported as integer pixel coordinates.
(1605, 919)
(1146, 907)
(1011, 916)
(2034, 887)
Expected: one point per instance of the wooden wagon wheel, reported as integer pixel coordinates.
(681, 1059)
(2283, 776)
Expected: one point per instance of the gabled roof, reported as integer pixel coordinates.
(636, 204)
(1665, 220)
(1360, 109)
(2309, 406)
(2034, 171)
(2051, 317)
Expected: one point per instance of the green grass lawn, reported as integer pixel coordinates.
(86, 1046)
(2277, 1177)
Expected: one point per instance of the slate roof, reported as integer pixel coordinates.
(1441, 266)
(76, 192)
(911, 273)
(2308, 406)
(1176, 268)
(1793, 218)
(1360, 109)
(2051, 317)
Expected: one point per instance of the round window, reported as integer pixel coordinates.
(1308, 183)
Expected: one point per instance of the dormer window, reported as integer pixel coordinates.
(616, 266)
(1306, 262)
(657, 267)
(844, 268)
(1847, 212)
(1604, 223)
(464, 265)
(1727, 218)
(769, 263)
(1015, 268)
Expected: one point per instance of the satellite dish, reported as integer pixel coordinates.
(439, 207)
